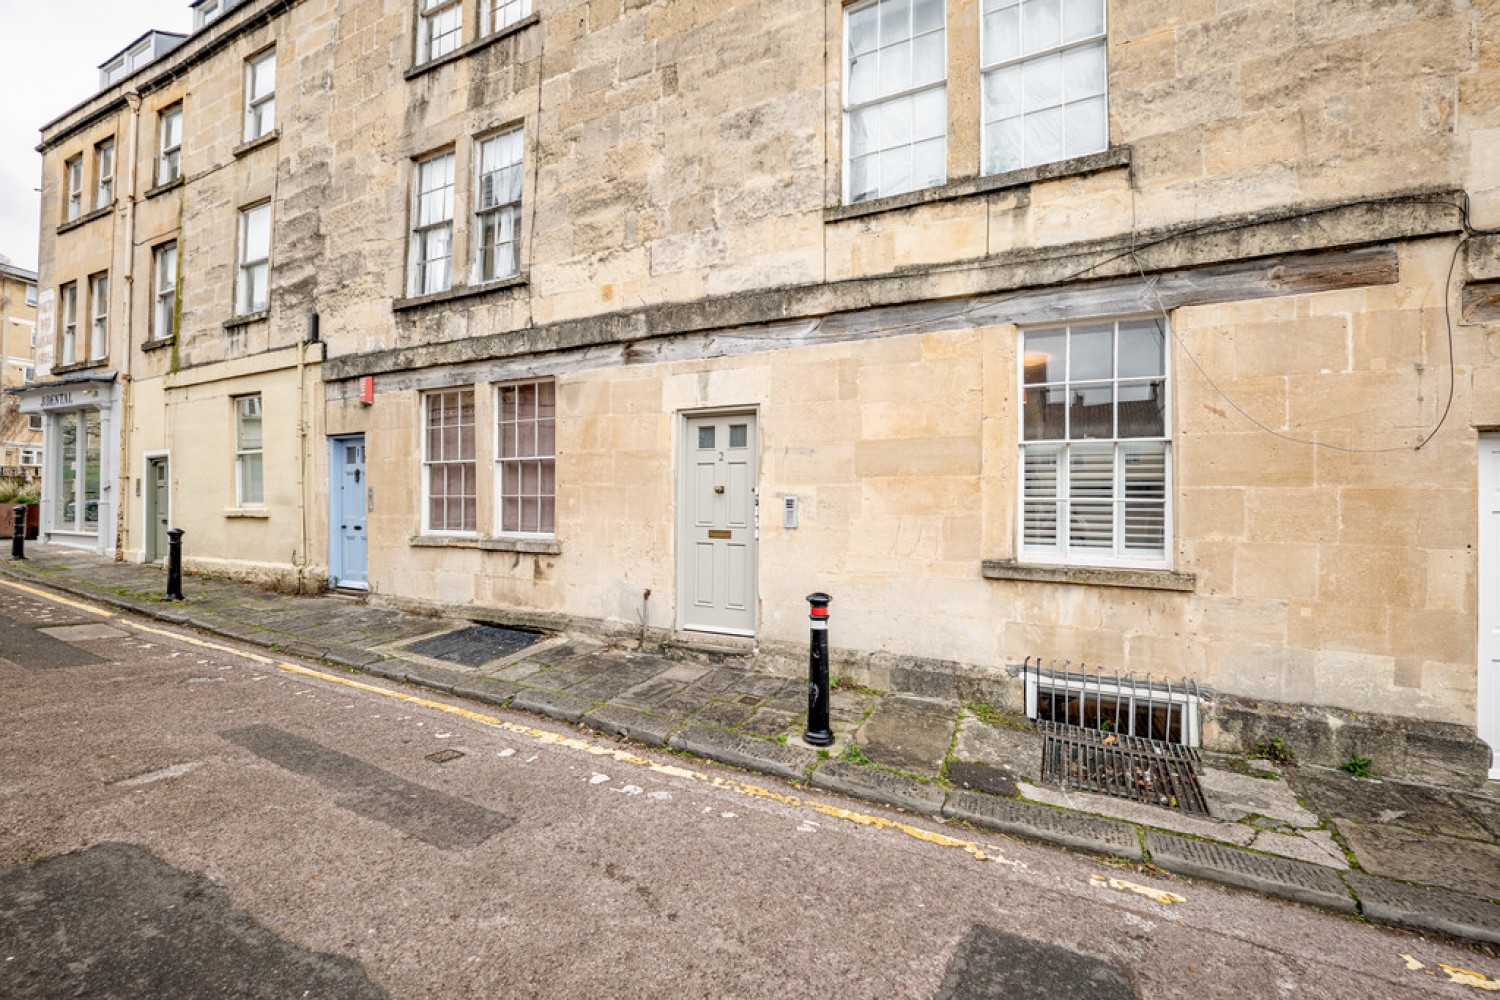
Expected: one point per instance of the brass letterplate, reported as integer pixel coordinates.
(720, 533)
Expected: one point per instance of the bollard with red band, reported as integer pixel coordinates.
(818, 734)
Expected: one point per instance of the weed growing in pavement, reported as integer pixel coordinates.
(1274, 749)
(984, 712)
(850, 684)
(1359, 767)
(855, 754)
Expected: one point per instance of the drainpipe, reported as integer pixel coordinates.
(311, 341)
(126, 354)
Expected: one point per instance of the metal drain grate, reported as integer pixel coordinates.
(1123, 767)
(476, 645)
(444, 756)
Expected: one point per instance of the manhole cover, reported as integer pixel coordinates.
(1124, 767)
(444, 756)
(476, 645)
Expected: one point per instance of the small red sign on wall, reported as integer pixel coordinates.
(367, 390)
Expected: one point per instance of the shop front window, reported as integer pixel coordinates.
(78, 440)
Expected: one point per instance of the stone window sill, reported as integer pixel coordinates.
(171, 185)
(1116, 156)
(80, 366)
(532, 546)
(85, 219)
(252, 145)
(473, 47)
(253, 513)
(1090, 576)
(157, 345)
(459, 292)
(235, 322)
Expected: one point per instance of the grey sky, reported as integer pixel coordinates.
(49, 61)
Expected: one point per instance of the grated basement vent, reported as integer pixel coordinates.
(1154, 709)
(475, 645)
(1153, 772)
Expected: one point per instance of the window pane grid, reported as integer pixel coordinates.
(448, 457)
(503, 13)
(1044, 81)
(162, 318)
(441, 28)
(99, 325)
(169, 160)
(248, 440)
(432, 234)
(527, 434)
(255, 252)
(895, 98)
(69, 321)
(260, 96)
(497, 205)
(1094, 452)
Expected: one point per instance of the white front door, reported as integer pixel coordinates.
(717, 527)
(1489, 597)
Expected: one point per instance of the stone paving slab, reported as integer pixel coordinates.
(779, 759)
(1426, 908)
(1017, 751)
(552, 704)
(724, 714)
(769, 722)
(1057, 826)
(1388, 803)
(876, 785)
(355, 658)
(648, 730)
(1232, 797)
(909, 734)
(1461, 865)
(487, 690)
(1299, 847)
(444, 679)
(1283, 877)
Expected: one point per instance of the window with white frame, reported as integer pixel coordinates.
(895, 98)
(28, 374)
(169, 145)
(31, 295)
(73, 175)
(439, 28)
(501, 14)
(432, 230)
(1044, 81)
(32, 456)
(260, 95)
(253, 273)
(448, 463)
(67, 317)
(104, 173)
(497, 207)
(1095, 446)
(98, 316)
(249, 481)
(164, 296)
(525, 460)
(33, 420)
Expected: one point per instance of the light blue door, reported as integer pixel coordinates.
(346, 545)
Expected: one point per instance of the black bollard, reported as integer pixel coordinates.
(818, 734)
(18, 532)
(174, 564)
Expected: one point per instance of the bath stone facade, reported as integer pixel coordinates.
(1159, 338)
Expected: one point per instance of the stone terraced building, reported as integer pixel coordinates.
(1158, 337)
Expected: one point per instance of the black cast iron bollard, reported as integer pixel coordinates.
(818, 734)
(18, 532)
(174, 564)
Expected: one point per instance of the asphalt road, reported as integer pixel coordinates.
(182, 819)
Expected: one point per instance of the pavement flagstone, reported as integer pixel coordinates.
(1421, 857)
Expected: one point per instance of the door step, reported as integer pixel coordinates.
(693, 645)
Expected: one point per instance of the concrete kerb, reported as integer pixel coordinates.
(1378, 900)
